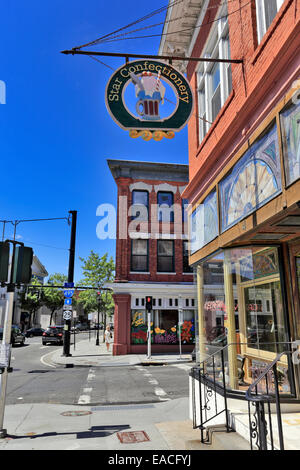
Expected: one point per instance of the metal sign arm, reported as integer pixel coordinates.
(148, 56)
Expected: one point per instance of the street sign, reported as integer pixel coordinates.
(68, 293)
(69, 285)
(67, 307)
(67, 315)
(68, 301)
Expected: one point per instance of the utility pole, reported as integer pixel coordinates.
(149, 306)
(98, 315)
(6, 341)
(67, 326)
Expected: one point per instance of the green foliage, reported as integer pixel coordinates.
(53, 298)
(31, 299)
(96, 271)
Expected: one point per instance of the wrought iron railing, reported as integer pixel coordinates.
(210, 376)
(261, 394)
(211, 391)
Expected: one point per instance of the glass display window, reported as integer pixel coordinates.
(289, 121)
(241, 310)
(164, 327)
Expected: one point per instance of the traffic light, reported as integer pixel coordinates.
(148, 303)
(22, 272)
(4, 261)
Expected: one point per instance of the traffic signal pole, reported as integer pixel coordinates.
(67, 326)
(149, 306)
(6, 340)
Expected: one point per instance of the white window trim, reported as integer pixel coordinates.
(214, 48)
(261, 17)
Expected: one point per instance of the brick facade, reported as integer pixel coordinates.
(268, 71)
(151, 177)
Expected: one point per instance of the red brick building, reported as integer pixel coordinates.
(152, 258)
(244, 174)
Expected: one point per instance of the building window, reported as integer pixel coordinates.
(289, 120)
(165, 256)
(165, 202)
(140, 205)
(139, 255)
(214, 78)
(184, 203)
(266, 10)
(186, 266)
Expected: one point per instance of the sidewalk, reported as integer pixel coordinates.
(87, 354)
(162, 426)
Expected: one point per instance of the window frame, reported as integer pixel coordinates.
(185, 255)
(261, 24)
(166, 256)
(132, 255)
(217, 47)
(159, 212)
(134, 217)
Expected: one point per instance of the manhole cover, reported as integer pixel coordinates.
(76, 413)
(133, 437)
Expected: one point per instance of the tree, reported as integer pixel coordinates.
(31, 300)
(97, 271)
(53, 298)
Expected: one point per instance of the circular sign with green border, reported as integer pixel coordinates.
(149, 78)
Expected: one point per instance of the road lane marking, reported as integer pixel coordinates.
(85, 397)
(84, 400)
(46, 363)
(159, 392)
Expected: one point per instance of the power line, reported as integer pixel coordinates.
(183, 30)
(160, 24)
(100, 62)
(144, 18)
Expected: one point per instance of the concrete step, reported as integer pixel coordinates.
(219, 439)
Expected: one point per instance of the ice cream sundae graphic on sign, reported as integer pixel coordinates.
(151, 99)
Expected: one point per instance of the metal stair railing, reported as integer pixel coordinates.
(211, 376)
(262, 429)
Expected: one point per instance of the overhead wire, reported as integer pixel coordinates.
(183, 30)
(161, 23)
(144, 18)
(107, 39)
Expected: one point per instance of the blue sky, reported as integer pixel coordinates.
(55, 131)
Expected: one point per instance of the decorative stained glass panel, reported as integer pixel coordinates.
(290, 126)
(204, 223)
(253, 181)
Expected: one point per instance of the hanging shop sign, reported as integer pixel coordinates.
(148, 108)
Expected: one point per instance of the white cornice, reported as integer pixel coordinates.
(133, 288)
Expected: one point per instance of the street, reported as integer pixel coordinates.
(35, 380)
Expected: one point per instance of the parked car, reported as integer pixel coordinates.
(17, 337)
(82, 326)
(34, 332)
(53, 334)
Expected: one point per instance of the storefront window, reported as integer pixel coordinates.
(164, 327)
(242, 311)
(289, 119)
